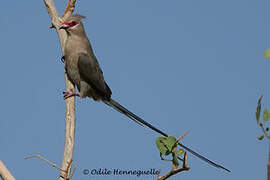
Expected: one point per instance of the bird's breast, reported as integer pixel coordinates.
(74, 46)
(71, 65)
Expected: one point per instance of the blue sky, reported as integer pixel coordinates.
(192, 66)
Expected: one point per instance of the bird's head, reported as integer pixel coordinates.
(73, 23)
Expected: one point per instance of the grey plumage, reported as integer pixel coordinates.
(83, 70)
(81, 64)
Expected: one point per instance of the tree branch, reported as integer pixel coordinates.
(264, 131)
(44, 159)
(70, 102)
(69, 9)
(182, 136)
(4, 172)
(175, 170)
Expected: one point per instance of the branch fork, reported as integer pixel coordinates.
(175, 169)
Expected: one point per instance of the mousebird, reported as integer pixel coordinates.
(84, 72)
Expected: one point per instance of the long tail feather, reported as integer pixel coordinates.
(114, 104)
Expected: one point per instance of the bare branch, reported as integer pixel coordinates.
(70, 128)
(264, 130)
(174, 171)
(69, 9)
(4, 172)
(44, 159)
(68, 167)
(182, 136)
(70, 102)
(73, 171)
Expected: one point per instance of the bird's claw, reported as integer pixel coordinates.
(68, 94)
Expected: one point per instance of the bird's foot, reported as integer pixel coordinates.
(68, 94)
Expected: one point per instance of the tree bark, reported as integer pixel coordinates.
(4, 172)
(70, 102)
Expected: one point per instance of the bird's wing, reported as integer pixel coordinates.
(91, 73)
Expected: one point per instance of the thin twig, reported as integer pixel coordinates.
(69, 8)
(264, 131)
(73, 171)
(46, 160)
(184, 167)
(182, 136)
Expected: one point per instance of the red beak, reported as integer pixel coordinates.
(64, 26)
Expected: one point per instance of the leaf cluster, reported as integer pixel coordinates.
(265, 119)
(167, 146)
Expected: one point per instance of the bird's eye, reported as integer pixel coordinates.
(72, 23)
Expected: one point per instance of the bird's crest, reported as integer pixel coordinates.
(75, 17)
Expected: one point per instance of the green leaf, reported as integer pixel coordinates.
(179, 152)
(166, 144)
(163, 149)
(266, 115)
(170, 142)
(175, 160)
(266, 53)
(258, 109)
(261, 137)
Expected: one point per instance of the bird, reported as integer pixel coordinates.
(83, 70)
